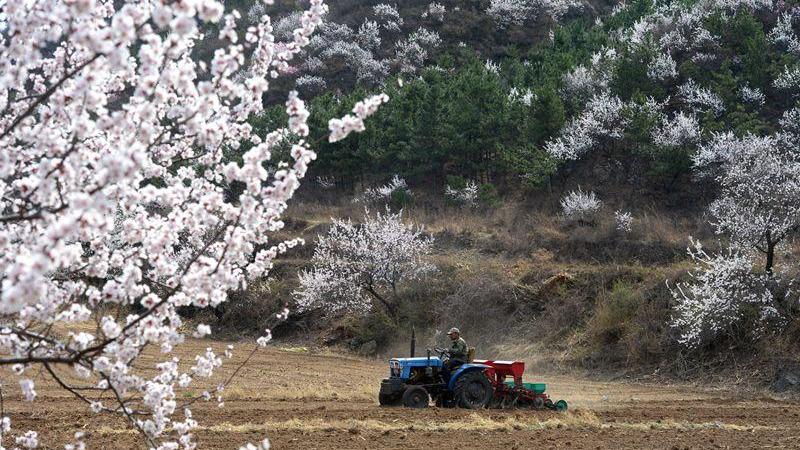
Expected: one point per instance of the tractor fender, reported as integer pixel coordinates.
(464, 368)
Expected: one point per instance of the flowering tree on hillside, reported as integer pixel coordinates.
(721, 295)
(357, 265)
(757, 209)
(676, 58)
(516, 12)
(112, 180)
(364, 55)
(759, 178)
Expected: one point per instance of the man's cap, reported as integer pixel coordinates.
(454, 330)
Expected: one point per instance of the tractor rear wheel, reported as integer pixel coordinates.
(416, 397)
(473, 390)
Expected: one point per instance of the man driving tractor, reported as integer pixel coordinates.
(457, 353)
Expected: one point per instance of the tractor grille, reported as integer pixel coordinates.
(394, 368)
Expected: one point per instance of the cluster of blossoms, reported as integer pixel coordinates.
(623, 220)
(467, 195)
(583, 81)
(783, 33)
(662, 68)
(581, 207)
(112, 193)
(789, 80)
(341, 128)
(681, 130)
(338, 47)
(700, 98)
(522, 96)
(435, 11)
(385, 192)
(602, 118)
(411, 53)
(758, 175)
(753, 96)
(363, 52)
(326, 182)
(492, 67)
(672, 29)
(355, 265)
(311, 83)
(517, 12)
(388, 17)
(723, 290)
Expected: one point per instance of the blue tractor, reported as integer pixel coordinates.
(413, 382)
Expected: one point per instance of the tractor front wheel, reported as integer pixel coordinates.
(388, 400)
(416, 397)
(473, 390)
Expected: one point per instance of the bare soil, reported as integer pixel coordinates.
(304, 400)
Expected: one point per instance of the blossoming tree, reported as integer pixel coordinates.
(355, 265)
(759, 179)
(111, 191)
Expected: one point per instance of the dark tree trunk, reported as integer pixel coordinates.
(389, 305)
(770, 257)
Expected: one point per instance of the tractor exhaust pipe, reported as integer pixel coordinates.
(413, 341)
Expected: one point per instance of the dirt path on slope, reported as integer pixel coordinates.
(325, 401)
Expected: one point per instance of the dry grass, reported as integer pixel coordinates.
(475, 422)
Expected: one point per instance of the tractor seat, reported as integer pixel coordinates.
(470, 354)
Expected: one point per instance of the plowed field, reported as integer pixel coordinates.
(324, 401)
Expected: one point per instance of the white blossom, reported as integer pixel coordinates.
(623, 220)
(411, 53)
(384, 192)
(754, 96)
(789, 80)
(341, 128)
(600, 119)
(581, 207)
(722, 286)
(783, 34)
(492, 67)
(311, 83)
(388, 17)
(436, 11)
(680, 130)
(28, 440)
(701, 98)
(585, 81)
(517, 12)
(468, 195)
(522, 96)
(759, 178)
(662, 67)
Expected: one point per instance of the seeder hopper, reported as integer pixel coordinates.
(511, 392)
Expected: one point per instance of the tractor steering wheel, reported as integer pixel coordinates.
(443, 352)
